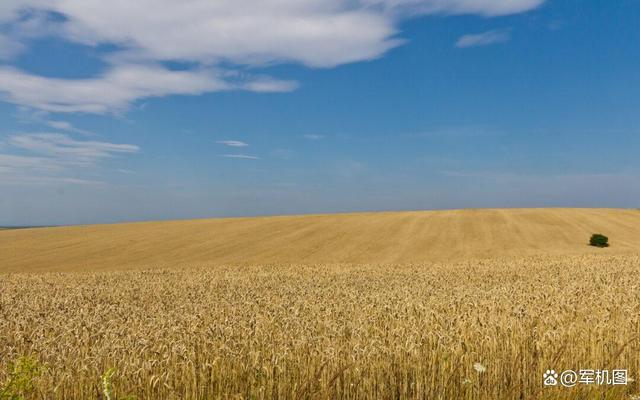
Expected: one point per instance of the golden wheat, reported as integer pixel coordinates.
(473, 330)
(364, 238)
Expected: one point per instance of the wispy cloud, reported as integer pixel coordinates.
(17, 163)
(9, 47)
(117, 89)
(30, 116)
(233, 143)
(111, 92)
(51, 157)
(484, 38)
(26, 179)
(68, 127)
(241, 156)
(270, 85)
(65, 148)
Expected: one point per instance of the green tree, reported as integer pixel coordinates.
(599, 240)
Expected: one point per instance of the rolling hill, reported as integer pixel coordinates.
(384, 237)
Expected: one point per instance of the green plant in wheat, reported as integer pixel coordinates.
(20, 379)
(107, 387)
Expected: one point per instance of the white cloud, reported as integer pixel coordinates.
(489, 8)
(313, 137)
(65, 148)
(48, 157)
(67, 126)
(30, 116)
(313, 32)
(241, 156)
(61, 125)
(233, 143)
(206, 35)
(26, 179)
(9, 47)
(267, 84)
(318, 33)
(113, 91)
(9, 8)
(484, 38)
(10, 163)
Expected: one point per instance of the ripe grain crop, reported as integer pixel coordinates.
(415, 237)
(484, 329)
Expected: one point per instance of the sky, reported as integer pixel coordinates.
(170, 109)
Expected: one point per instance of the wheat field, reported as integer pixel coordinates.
(478, 323)
(362, 238)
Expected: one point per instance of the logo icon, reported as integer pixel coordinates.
(550, 377)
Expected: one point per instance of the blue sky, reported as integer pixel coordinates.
(224, 108)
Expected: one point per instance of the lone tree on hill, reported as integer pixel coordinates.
(599, 240)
